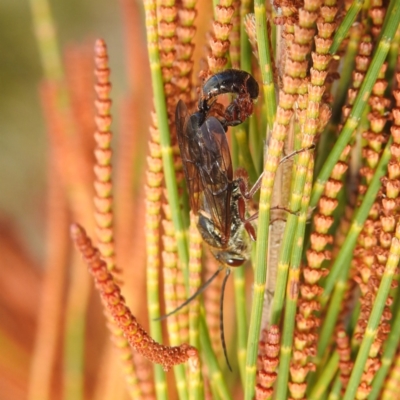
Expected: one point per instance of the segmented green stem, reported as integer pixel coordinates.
(346, 72)
(359, 104)
(245, 159)
(153, 218)
(271, 164)
(195, 252)
(346, 24)
(335, 305)
(388, 355)
(165, 142)
(241, 323)
(376, 314)
(153, 208)
(170, 271)
(292, 291)
(325, 378)
(215, 373)
(345, 253)
(392, 62)
(245, 47)
(301, 167)
(264, 54)
(336, 389)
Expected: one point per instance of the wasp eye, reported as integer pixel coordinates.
(235, 262)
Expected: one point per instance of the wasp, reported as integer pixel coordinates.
(216, 197)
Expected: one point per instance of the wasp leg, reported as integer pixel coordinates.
(246, 222)
(248, 194)
(284, 209)
(239, 110)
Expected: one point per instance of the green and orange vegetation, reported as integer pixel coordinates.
(315, 312)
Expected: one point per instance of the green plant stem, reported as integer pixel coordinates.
(245, 47)
(264, 55)
(391, 347)
(195, 251)
(215, 374)
(258, 300)
(168, 161)
(325, 378)
(335, 305)
(392, 63)
(388, 15)
(80, 200)
(359, 104)
(337, 278)
(336, 389)
(74, 346)
(325, 144)
(245, 159)
(46, 38)
(346, 73)
(374, 319)
(345, 253)
(260, 271)
(241, 323)
(256, 144)
(153, 304)
(181, 382)
(292, 292)
(165, 141)
(301, 167)
(346, 24)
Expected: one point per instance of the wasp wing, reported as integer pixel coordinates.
(207, 165)
(187, 132)
(216, 175)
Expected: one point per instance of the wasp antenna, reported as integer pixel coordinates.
(221, 320)
(199, 291)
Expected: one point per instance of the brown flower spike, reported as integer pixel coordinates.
(115, 304)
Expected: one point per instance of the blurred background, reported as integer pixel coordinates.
(53, 338)
(23, 138)
(24, 166)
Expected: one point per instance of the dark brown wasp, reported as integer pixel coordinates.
(216, 196)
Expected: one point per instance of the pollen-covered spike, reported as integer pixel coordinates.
(110, 294)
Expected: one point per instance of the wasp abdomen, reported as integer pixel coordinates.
(231, 81)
